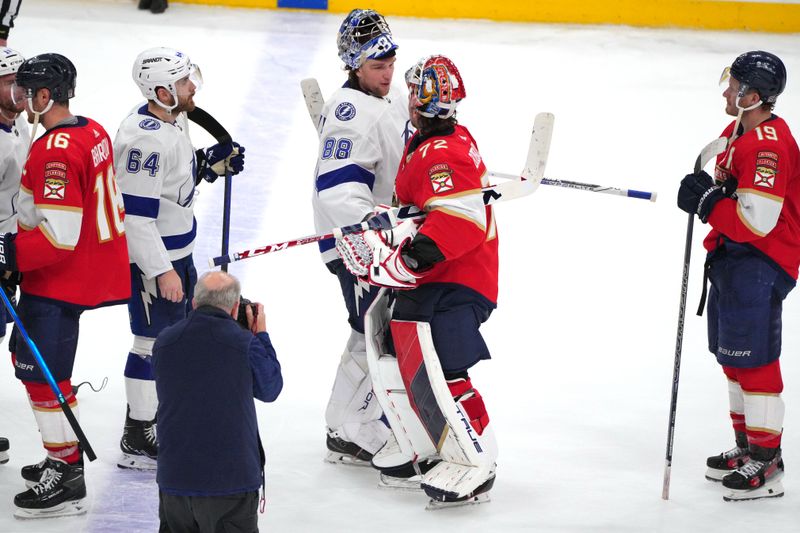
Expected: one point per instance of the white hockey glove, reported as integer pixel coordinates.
(376, 256)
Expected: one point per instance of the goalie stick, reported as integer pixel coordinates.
(710, 151)
(314, 103)
(509, 190)
(203, 119)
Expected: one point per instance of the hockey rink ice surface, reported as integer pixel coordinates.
(583, 338)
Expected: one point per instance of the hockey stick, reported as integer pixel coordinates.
(711, 150)
(48, 376)
(203, 119)
(509, 190)
(314, 102)
(313, 97)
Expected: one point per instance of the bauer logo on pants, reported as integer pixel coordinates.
(441, 178)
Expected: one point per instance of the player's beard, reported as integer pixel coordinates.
(186, 104)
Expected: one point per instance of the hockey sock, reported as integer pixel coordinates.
(57, 436)
(140, 387)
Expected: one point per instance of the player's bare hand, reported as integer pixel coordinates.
(170, 286)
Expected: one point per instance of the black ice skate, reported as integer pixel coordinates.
(760, 477)
(341, 451)
(60, 492)
(158, 6)
(138, 444)
(723, 464)
(32, 474)
(3, 450)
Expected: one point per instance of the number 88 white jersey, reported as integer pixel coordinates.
(155, 164)
(362, 138)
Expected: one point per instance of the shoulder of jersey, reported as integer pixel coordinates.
(350, 107)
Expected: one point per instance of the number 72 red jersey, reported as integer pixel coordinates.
(71, 245)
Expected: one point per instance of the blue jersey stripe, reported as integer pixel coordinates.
(348, 174)
(140, 205)
(176, 242)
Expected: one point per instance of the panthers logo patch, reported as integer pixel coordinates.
(441, 178)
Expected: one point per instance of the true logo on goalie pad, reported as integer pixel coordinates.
(441, 178)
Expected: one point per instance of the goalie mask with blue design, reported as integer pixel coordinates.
(436, 87)
(363, 35)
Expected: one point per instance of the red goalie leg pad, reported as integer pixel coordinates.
(57, 436)
(471, 399)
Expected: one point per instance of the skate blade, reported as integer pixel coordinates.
(336, 458)
(770, 490)
(70, 508)
(137, 462)
(436, 505)
(715, 475)
(398, 484)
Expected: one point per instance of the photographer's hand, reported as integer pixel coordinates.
(258, 324)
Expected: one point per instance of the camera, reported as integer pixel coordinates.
(241, 318)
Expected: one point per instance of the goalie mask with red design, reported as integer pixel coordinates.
(436, 87)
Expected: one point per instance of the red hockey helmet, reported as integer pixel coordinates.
(437, 86)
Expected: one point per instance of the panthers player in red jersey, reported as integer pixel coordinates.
(449, 267)
(753, 256)
(72, 253)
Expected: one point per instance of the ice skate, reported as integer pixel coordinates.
(723, 464)
(3, 450)
(32, 474)
(758, 478)
(61, 491)
(139, 445)
(445, 485)
(343, 452)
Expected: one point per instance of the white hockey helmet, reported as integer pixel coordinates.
(10, 60)
(163, 67)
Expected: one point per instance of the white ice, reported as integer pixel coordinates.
(583, 339)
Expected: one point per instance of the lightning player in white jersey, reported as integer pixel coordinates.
(14, 141)
(363, 129)
(157, 171)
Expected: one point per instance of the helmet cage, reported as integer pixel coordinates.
(364, 34)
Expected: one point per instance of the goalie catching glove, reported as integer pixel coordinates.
(219, 159)
(377, 256)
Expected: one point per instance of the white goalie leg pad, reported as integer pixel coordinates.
(468, 457)
(410, 442)
(764, 412)
(353, 413)
(141, 393)
(735, 397)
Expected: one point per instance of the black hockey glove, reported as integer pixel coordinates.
(219, 159)
(698, 194)
(8, 283)
(8, 256)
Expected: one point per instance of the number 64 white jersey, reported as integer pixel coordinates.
(362, 138)
(155, 165)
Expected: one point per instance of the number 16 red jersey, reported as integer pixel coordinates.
(71, 244)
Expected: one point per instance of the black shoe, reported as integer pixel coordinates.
(32, 474)
(342, 451)
(158, 6)
(144, 4)
(723, 464)
(59, 483)
(764, 466)
(139, 438)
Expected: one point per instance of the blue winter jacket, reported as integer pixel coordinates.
(208, 369)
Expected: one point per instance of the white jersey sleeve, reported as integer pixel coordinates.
(155, 167)
(361, 141)
(14, 141)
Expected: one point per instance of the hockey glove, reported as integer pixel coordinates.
(219, 159)
(9, 281)
(698, 194)
(8, 256)
(377, 256)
